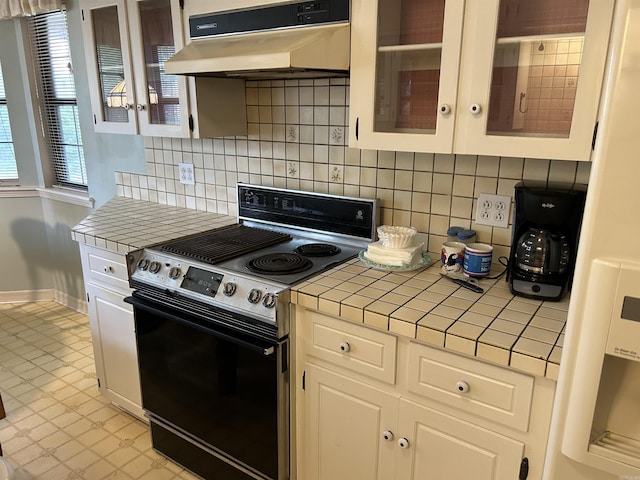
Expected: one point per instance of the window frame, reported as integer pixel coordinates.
(8, 181)
(55, 164)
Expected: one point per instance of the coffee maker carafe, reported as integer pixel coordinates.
(546, 227)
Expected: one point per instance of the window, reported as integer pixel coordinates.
(57, 97)
(8, 170)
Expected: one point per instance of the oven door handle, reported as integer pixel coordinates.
(138, 303)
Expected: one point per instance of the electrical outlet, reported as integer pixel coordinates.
(493, 210)
(186, 173)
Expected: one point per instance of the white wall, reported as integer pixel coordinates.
(35, 238)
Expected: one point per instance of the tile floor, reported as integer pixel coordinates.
(58, 425)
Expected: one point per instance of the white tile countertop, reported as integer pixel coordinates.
(495, 325)
(124, 224)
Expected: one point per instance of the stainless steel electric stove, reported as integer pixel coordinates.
(212, 326)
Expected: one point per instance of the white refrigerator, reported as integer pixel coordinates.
(595, 430)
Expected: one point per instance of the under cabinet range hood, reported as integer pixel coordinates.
(309, 39)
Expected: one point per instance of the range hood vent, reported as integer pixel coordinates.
(292, 40)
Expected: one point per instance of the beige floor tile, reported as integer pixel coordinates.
(58, 425)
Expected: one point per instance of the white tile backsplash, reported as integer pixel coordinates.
(297, 138)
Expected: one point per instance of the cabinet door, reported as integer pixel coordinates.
(344, 425)
(106, 40)
(156, 34)
(404, 73)
(438, 446)
(531, 76)
(115, 353)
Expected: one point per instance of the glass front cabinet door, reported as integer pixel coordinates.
(517, 78)
(109, 71)
(156, 35)
(126, 45)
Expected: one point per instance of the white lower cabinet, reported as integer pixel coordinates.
(435, 446)
(345, 421)
(355, 431)
(353, 423)
(112, 328)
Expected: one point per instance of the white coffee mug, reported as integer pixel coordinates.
(452, 257)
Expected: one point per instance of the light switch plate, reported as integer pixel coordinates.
(493, 210)
(186, 173)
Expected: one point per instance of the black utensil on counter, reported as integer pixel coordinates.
(465, 284)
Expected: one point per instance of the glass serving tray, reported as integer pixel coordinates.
(426, 261)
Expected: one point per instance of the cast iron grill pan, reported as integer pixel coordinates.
(224, 243)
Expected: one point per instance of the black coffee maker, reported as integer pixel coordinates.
(546, 227)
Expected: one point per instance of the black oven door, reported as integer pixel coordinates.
(220, 389)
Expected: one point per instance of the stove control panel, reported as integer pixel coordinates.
(207, 284)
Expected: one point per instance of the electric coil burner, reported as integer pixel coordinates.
(318, 250)
(279, 264)
(212, 324)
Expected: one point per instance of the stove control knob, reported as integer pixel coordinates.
(254, 295)
(175, 272)
(229, 289)
(143, 264)
(155, 267)
(269, 300)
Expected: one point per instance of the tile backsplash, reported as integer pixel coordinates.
(297, 138)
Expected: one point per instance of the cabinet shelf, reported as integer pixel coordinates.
(417, 47)
(538, 38)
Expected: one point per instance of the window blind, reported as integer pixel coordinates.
(57, 97)
(8, 170)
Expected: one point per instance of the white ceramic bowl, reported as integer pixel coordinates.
(396, 237)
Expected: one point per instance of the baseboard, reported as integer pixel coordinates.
(77, 304)
(45, 295)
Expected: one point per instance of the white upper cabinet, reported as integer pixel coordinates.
(106, 42)
(515, 78)
(161, 98)
(127, 43)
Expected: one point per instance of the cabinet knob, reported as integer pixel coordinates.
(403, 442)
(108, 269)
(475, 109)
(127, 106)
(462, 387)
(345, 347)
(140, 107)
(444, 109)
(387, 435)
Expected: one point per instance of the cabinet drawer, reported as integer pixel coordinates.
(106, 267)
(352, 346)
(485, 390)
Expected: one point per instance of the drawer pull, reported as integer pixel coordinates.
(387, 435)
(462, 387)
(403, 442)
(108, 269)
(345, 347)
(475, 109)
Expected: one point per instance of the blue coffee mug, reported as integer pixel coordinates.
(477, 259)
